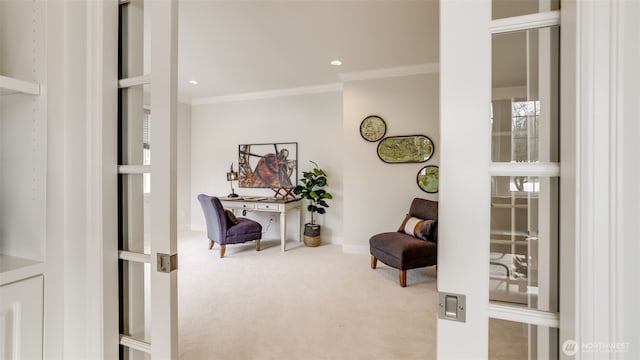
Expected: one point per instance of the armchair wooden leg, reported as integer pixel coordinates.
(403, 278)
(222, 249)
(374, 262)
(210, 244)
(258, 245)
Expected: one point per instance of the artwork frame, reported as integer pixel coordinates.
(268, 165)
(373, 128)
(428, 179)
(405, 149)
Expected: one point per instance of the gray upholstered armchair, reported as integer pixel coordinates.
(224, 228)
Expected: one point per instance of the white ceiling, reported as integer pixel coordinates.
(237, 47)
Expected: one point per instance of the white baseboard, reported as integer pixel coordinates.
(335, 240)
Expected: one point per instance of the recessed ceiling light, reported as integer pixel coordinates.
(193, 82)
(336, 62)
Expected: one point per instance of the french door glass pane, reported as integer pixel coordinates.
(135, 39)
(133, 354)
(524, 122)
(524, 242)
(509, 8)
(510, 340)
(134, 309)
(135, 214)
(135, 126)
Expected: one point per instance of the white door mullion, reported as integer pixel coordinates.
(136, 344)
(541, 169)
(134, 81)
(525, 22)
(134, 256)
(134, 169)
(524, 315)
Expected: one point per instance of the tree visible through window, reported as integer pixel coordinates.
(524, 130)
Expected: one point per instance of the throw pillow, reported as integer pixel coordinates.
(231, 217)
(416, 227)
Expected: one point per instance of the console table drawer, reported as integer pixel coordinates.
(267, 207)
(232, 205)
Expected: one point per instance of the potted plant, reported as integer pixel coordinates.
(311, 189)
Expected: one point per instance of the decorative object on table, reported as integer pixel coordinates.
(373, 128)
(268, 165)
(427, 178)
(283, 193)
(231, 177)
(312, 189)
(405, 149)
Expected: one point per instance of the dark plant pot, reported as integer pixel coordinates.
(311, 235)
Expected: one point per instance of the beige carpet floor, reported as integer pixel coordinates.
(307, 303)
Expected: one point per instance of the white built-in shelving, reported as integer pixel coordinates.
(23, 145)
(13, 268)
(9, 85)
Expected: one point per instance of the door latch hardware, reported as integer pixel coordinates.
(452, 306)
(167, 263)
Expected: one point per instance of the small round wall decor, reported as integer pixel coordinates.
(428, 178)
(373, 128)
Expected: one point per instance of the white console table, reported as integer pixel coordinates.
(268, 204)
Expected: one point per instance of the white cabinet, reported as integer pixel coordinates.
(21, 316)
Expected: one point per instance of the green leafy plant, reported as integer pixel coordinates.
(311, 189)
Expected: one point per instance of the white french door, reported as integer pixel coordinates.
(499, 195)
(147, 179)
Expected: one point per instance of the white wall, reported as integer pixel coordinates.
(377, 195)
(314, 121)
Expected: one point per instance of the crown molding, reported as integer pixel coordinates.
(326, 88)
(391, 72)
(336, 87)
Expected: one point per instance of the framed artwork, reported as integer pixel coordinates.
(405, 149)
(272, 165)
(428, 179)
(373, 128)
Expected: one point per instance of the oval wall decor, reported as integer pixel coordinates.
(373, 128)
(405, 149)
(427, 178)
